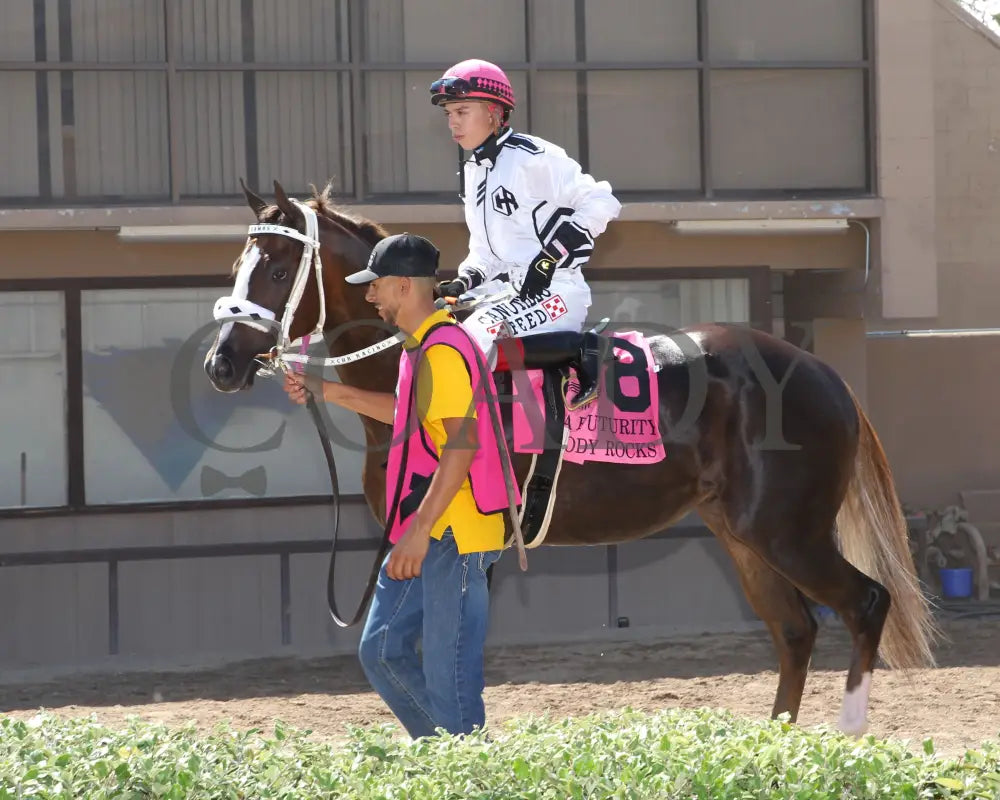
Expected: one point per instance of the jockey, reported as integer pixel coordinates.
(533, 215)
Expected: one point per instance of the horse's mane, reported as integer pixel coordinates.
(322, 203)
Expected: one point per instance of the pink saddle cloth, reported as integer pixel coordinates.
(621, 426)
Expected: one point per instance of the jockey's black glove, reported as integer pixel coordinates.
(455, 288)
(565, 244)
(538, 277)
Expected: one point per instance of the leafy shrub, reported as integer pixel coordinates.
(672, 754)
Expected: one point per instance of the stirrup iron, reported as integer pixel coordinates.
(572, 405)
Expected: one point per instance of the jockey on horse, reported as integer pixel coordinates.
(532, 219)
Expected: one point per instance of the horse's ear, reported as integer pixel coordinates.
(287, 206)
(255, 201)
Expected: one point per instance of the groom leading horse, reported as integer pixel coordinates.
(815, 517)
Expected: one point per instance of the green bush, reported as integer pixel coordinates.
(673, 754)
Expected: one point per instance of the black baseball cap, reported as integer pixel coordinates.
(404, 255)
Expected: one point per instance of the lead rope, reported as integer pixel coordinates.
(298, 365)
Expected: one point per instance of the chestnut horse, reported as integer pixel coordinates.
(778, 459)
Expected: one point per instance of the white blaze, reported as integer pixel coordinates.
(248, 262)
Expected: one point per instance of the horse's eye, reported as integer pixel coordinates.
(279, 275)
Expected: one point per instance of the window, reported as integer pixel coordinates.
(155, 429)
(769, 126)
(644, 129)
(33, 375)
(19, 176)
(409, 149)
(124, 31)
(641, 30)
(656, 306)
(119, 141)
(303, 123)
(209, 32)
(428, 31)
(213, 144)
(171, 100)
(758, 30)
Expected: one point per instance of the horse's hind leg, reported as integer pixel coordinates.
(781, 607)
(802, 548)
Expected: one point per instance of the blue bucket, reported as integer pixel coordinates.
(956, 582)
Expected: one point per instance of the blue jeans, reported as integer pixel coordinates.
(447, 607)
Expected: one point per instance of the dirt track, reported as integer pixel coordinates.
(957, 704)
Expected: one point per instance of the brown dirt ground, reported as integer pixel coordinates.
(957, 703)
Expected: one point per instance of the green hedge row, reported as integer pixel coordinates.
(672, 754)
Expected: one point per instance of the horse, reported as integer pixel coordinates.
(815, 518)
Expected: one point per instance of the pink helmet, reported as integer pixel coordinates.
(474, 79)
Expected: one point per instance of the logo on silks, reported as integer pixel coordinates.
(133, 386)
(516, 317)
(500, 330)
(504, 201)
(554, 306)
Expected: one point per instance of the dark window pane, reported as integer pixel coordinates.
(33, 401)
(642, 30)
(303, 130)
(428, 31)
(119, 139)
(115, 30)
(644, 129)
(555, 110)
(788, 129)
(142, 445)
(310, 31)
(19, 176)
(17, 32)
(807, 30)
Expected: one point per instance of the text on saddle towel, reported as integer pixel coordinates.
(621, 426)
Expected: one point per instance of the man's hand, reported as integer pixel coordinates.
(407, 556)
(296, 385)
(377, 405)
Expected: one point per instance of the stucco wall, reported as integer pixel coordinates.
(967, 167)
(962, 165)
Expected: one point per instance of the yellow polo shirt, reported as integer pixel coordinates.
(444, 390)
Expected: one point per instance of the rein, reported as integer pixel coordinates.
(238, 308)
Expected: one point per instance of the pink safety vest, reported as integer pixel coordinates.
(412, 456)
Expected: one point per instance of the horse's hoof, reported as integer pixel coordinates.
(853, 727)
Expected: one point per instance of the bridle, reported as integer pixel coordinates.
(237, 308)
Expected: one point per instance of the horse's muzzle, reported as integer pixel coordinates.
(222, 373)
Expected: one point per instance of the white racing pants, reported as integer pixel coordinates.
(562, 307)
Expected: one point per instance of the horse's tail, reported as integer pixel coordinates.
(873, 537)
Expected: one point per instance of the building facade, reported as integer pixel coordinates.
(803, 167)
